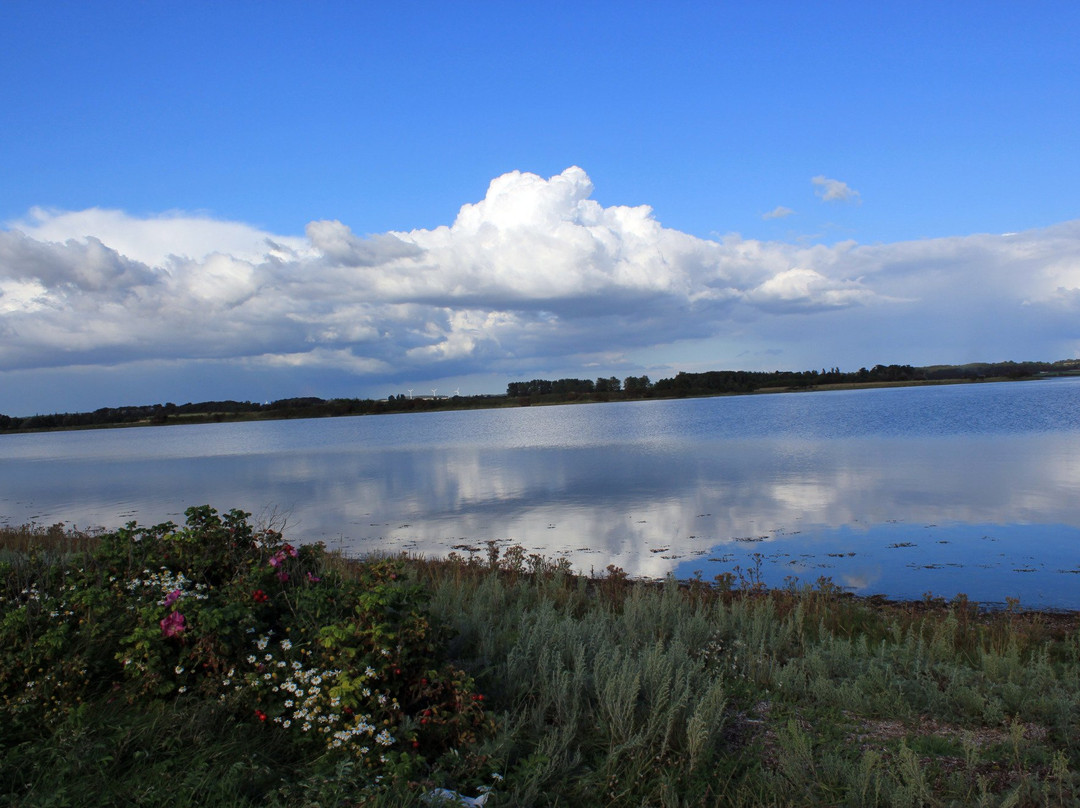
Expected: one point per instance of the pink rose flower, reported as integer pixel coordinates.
(173, 624)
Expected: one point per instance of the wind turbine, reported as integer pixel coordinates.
(457, 392)
(410, 393)
(433, 390)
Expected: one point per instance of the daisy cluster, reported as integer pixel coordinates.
(306, 698)
(167, 582)
(32, 597)
(32, 594)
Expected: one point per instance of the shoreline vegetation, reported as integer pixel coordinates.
(218, 663)
(546, 392)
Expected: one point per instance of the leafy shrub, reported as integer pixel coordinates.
(342, 661)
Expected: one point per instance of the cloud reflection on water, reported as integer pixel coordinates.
(654, 488)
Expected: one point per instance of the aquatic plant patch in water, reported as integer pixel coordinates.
(988, 563)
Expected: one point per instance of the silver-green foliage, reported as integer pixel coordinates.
(617, 701)
(612, 693)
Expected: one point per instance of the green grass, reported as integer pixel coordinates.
(605, 691)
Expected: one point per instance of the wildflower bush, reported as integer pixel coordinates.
(217, 664)
(340, 662)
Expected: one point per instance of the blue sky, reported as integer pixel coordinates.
(259, 200)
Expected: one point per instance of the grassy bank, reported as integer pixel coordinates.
(161, 665)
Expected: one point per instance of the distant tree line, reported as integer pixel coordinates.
(536, 391)
(748, 381)
(566, 387)
(716, 382)
(217, 411)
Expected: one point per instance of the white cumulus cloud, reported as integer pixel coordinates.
(153, 240)
(779, 212)
(805, 289)
(834, 190)
(536, 275)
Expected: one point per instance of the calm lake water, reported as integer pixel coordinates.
(968, 488)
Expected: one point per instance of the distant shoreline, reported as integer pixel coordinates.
(499, 402)
(683, 386)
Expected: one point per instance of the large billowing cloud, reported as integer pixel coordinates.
(536, 275)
